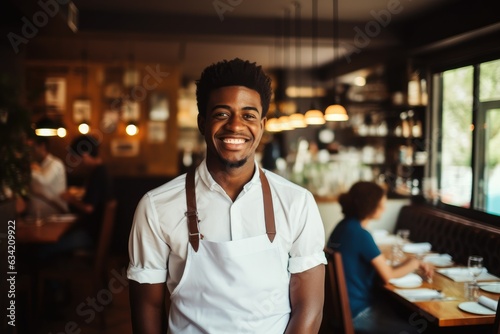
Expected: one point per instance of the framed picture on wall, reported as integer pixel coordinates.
(55, 93)
(81, 111)
(158, 107)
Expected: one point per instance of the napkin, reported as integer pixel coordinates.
(438, 259)
(488, 302)
(462, 274)
(421, 247)
(419, 294)
(437, 256)
(408, 280)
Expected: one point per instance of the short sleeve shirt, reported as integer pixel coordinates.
(358, 249)
(158, 240)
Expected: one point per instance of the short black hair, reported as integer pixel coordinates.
(85, 144)
(236, 72)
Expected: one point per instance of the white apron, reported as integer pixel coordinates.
(235, 287)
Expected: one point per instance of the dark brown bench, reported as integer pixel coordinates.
(452, 234)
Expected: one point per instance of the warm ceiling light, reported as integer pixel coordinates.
(314, 117)
(84, 128)
(132, 129)
(46, 132)
(47, 127)
(336, 113)
(272, 125)
(61, 132)
(297, 120)
(284, 123)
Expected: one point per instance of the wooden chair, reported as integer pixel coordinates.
(337, 313)
(89, 269)
(496, 327)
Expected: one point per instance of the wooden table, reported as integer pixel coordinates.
(442, 312)
(49, 231)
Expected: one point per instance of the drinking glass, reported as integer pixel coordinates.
(403, 236)
(475, 265)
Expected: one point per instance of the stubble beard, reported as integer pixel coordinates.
(231, 164)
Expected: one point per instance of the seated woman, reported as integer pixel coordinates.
(364, 263)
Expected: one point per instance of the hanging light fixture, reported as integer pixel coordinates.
(272, 125)
(314, 116)
(48, 127)
(336, 112)
(297, 119)
(132, 129)
(84, 128)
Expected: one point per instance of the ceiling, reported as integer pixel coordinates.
(197, 33)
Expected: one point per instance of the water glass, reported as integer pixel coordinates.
(471, 291)
(403, 236)
(475, 265)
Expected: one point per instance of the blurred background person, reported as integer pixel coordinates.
(364, 263)
(48, 181)
(89, 207)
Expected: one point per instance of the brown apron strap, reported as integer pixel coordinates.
(268, 207)
(192, 213)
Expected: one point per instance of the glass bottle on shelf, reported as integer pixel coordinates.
(405, 125)
(414, 89)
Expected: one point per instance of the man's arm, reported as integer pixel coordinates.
(147, 306)
(307, 297)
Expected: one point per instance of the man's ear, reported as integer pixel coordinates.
(201, 124)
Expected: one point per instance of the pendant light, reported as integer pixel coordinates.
(336, 112)
(83, 103)
(314, 116)
(49, 127)
(297, 119)
(273, 123)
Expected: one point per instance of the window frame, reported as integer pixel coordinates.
(434, 127)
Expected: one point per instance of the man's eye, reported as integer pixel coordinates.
(220, 114)
(250, 116)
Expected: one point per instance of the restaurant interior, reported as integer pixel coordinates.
(402, 93)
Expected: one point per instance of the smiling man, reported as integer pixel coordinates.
(236, 248)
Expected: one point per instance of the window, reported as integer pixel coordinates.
(469, 164)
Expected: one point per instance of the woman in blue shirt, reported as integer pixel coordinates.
(364, 263)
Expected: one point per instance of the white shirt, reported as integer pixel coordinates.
(50, 181)
(159, 236)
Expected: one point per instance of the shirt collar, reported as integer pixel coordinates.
(209, 181)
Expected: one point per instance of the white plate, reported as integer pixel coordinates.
(474, 307)
(490, 287)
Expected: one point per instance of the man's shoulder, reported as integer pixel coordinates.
(169, 188)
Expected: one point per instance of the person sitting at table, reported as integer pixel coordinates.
(48, 181)
(364, 263)
(98, 189)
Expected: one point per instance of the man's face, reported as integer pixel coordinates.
(232, 125)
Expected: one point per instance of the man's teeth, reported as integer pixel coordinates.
(234, 141)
